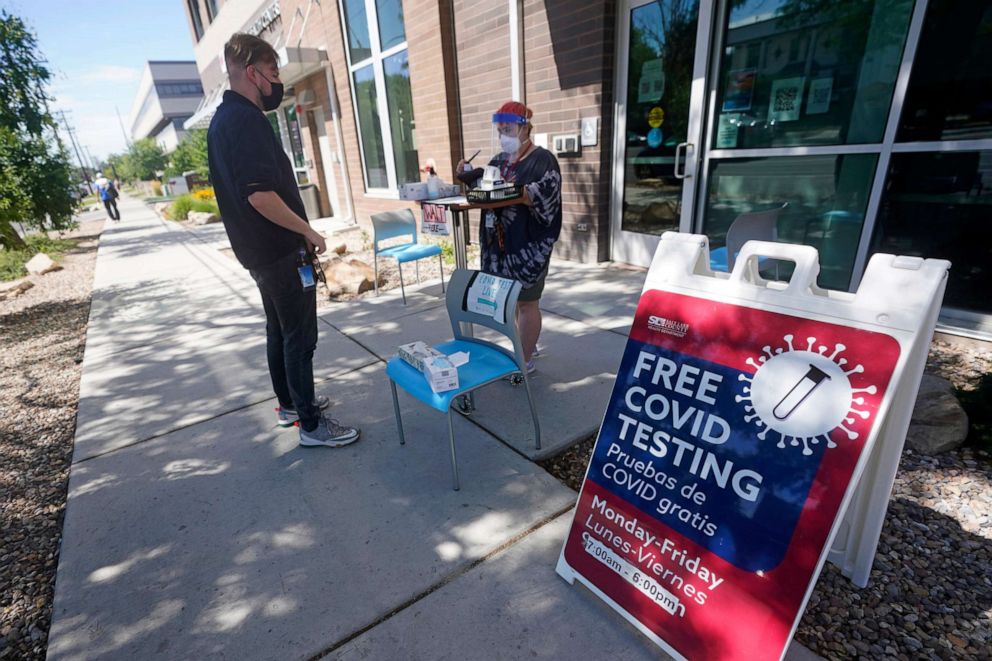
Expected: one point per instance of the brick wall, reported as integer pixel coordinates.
(431, 71)
(568, 75)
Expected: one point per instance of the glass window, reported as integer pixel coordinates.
(813, 200)
(358, 30)
(274, 121)
(211, 9)
(391, 27)
(295, 141)
(662, 46)
(194, 14)
(386, 125)
(940, 205)
(401, 118)
(371, 134)
(950, 89)
(808, 73)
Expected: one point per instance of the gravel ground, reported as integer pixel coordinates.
(42, 336)
(930, 591)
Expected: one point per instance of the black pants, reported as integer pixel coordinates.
(111, 206)
(291, 336)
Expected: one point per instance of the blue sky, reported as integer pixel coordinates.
(98, 51)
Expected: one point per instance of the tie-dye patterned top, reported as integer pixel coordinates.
(529, 233)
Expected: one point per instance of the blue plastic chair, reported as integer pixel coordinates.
(488, 362)
(393, 224)
(753, 226)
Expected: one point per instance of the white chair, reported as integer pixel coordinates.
(752, 226)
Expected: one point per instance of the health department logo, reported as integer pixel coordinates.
(802, 394)
(669, 326)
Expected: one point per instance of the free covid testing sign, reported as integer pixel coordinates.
(730, 439)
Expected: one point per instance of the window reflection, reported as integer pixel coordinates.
(391, 29)
(940, 205)
(368, 122)
(813, 200)
(359, 44)
(401, 123)
(950, 89)
(809, 72)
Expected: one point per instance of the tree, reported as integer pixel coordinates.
(35, 173)
(190, 155)
(143, 161)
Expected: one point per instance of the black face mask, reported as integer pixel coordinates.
(270, 101)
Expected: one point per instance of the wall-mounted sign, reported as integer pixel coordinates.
(264, 20)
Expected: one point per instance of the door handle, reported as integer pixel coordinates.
(678, 157)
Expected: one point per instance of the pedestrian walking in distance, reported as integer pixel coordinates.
(266, 222)
(108, 195)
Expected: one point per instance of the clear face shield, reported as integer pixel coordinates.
(509, 134)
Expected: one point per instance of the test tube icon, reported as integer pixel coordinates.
(799, 392)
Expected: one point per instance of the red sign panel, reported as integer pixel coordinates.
(730, 440)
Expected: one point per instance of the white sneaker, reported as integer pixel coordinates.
(330, 433)
(289, 417)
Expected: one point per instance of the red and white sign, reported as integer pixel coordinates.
(730, 440)
(436, 220)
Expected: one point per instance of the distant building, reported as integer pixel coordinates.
(169, 94)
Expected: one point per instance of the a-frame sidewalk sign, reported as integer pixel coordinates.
(747, 417)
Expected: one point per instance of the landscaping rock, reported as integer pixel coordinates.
(939, 423)
(340, 249)
(202, 217)
(14, 288)
(352, 276)
(162, 208)
(41, 264)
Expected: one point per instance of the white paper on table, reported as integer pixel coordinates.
(458, 358)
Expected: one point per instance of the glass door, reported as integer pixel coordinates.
(663, 48)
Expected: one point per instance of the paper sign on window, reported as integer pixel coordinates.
(487, 296)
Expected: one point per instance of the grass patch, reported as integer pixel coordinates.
(12, 261)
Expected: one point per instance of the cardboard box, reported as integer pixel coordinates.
(440, 373)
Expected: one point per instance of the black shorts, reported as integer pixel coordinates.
(533, 293)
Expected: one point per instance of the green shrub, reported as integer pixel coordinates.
(208, 206)
(181, 207)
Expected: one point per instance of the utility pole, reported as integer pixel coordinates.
(127, 138)
(75, 147)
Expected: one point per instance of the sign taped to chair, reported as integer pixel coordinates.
(729, 444)
(487, 296)
(436, 220)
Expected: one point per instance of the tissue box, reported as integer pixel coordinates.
(441, 375)
(450, 190)
(413, 191)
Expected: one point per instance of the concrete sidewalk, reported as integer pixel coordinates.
(196, 528)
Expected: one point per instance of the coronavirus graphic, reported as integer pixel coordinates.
(803, 394)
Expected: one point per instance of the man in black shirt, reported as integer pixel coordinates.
(266, 222)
